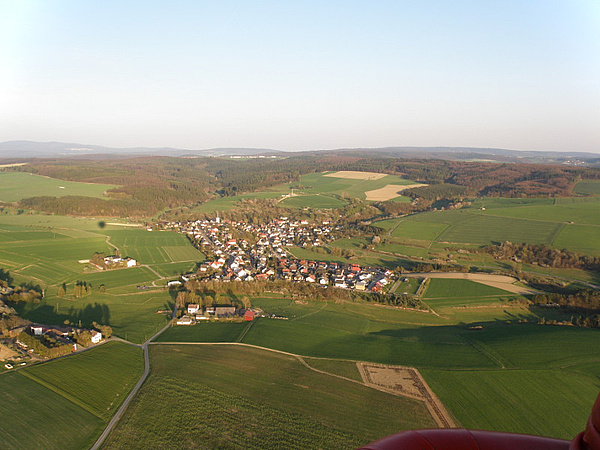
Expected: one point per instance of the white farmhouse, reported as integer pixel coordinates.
(96, 336)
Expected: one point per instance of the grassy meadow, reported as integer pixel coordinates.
(66, 403)
(114, 367)
(46, 250)
(321, 183)
(15, 186)
(550, 403)
(453, 289)
(570, 223)
(588, 187)
(287, 406)
(317, 201)
(497, 364)
(314, 190)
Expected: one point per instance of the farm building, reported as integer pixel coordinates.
(193, 308)
(185, 320)
(96, 336)
(221, 311)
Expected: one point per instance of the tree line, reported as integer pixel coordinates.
(542, 254)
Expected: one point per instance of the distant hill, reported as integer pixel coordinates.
(480, 154)
(31, 149)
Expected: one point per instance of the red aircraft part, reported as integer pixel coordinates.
(460, 439)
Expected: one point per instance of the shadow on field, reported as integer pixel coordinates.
(47, 314)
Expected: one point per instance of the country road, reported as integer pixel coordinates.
(135, 389)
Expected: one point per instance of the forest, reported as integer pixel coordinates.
(148, 185)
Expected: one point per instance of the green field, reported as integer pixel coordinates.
(316, 191)
(544, 402)
(17, 186)
(349, 331)
(319, 183)
(33, 416)
(588, 187)
(65, 403)
(156, 247)
(498, 364)
(317, 201)
(45, 250)
(231, 401)
(581, 238)
(528, 372)
(347, 369)
(569, 223)
(98, 380)
(427, 231)
(457, 289)
(535, 346)
(204, 332)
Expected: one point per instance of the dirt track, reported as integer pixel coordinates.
(498, 281)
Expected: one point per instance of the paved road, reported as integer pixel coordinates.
(134, 391)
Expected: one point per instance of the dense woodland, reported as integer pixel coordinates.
(212, 292)
(543, 255)
(152, 184)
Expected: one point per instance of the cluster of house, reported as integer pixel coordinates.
(195, 313)
(235, 259)
(112, 262)
(61, 334)
(6, 290)
(272, 237)
(347, 276)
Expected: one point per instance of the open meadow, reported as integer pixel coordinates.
(321, 190)
(345, 184)
(588, 187)
(570, 223)
(506, 348)
(51, 250)
(545, 402)
(65, 403)
(15, 186)
(230, 401)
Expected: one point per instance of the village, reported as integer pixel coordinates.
(242, 252)
(238, 251)
(32, 342)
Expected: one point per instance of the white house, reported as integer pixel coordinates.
(131, 263)
(185, 320)
(193, 308)
(96, 336)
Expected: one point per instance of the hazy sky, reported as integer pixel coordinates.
(297, 75)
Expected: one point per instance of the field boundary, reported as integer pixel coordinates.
(62, 393)
(436, 408)
(486, 351)
(425, 394)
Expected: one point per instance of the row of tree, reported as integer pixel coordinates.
(542, 254)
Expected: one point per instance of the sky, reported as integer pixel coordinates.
(302, 75)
